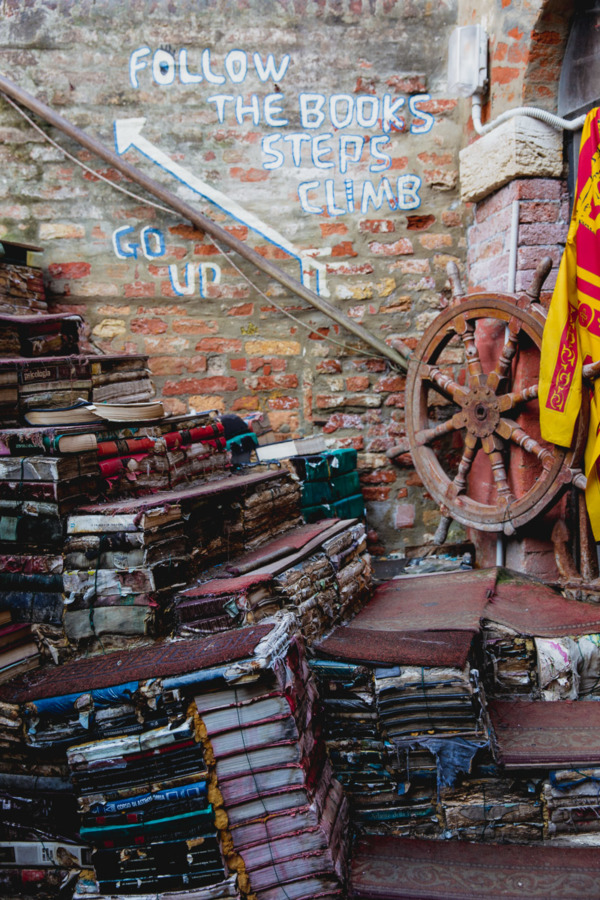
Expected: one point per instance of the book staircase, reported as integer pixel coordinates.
(203, 697)
(461, 717)
(161, 734)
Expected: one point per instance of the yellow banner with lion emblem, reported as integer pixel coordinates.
(572, 331)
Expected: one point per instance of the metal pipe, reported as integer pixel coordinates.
(514, 247)
(399, 357)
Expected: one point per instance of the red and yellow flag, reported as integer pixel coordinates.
(572, 331)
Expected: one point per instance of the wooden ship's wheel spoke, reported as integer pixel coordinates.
(427, 435)
(459, 484)
(444, 384)
(466, 330)
(507, 355)
(515, 398)
(493, 446)
(510, 431)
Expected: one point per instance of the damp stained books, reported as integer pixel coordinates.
(83, 412)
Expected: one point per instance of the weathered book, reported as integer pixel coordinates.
(17, 653)
(40, 335)
(31, 564)
(21, 281)
(47, 468)
(94, 803)
(48, 370)
(128, 412)
(45, 854)
(316, 492)
(287, 449)
(110, 519)
(18, 581)
(198, 821)
(17, 881)
(325, 466)
(108, 581)
(130, 390)
(116, 365)
(121, 558)
(94, 543)
(142, 804)
(79, 489)
(10, 635)
(50, 399)
(74, 413)
(36, 531)
(221, 890)
(36, 607)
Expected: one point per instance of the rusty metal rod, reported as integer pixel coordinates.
(398, 357)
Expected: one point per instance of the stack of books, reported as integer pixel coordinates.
(494, 806)
(330, 485)
(287, 814)
(120, 379)
(42, 335)
(333, 583)
(49, 382)
(111, 594)
(197, 766)
(510, 660)
(391, 789)
(572, 804)
(21, 283)
(39, 848)
(125, 559)
(146, 810)
(263, 513)
(401, 701)
(170, 458)
(318, 572)
(230, 516)
(19, 651)
(36, 495)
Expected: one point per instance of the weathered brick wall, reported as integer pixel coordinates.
(527, 43)
(327, 121)
(543, 223)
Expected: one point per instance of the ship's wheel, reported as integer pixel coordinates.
(472, 412)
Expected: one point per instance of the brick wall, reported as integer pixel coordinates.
(543, 223)
(380, 214)
(542, 230)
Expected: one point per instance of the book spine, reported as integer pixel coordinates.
(36, 607)
(34, 372)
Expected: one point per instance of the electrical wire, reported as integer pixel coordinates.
(144, 200)
(533, 112)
